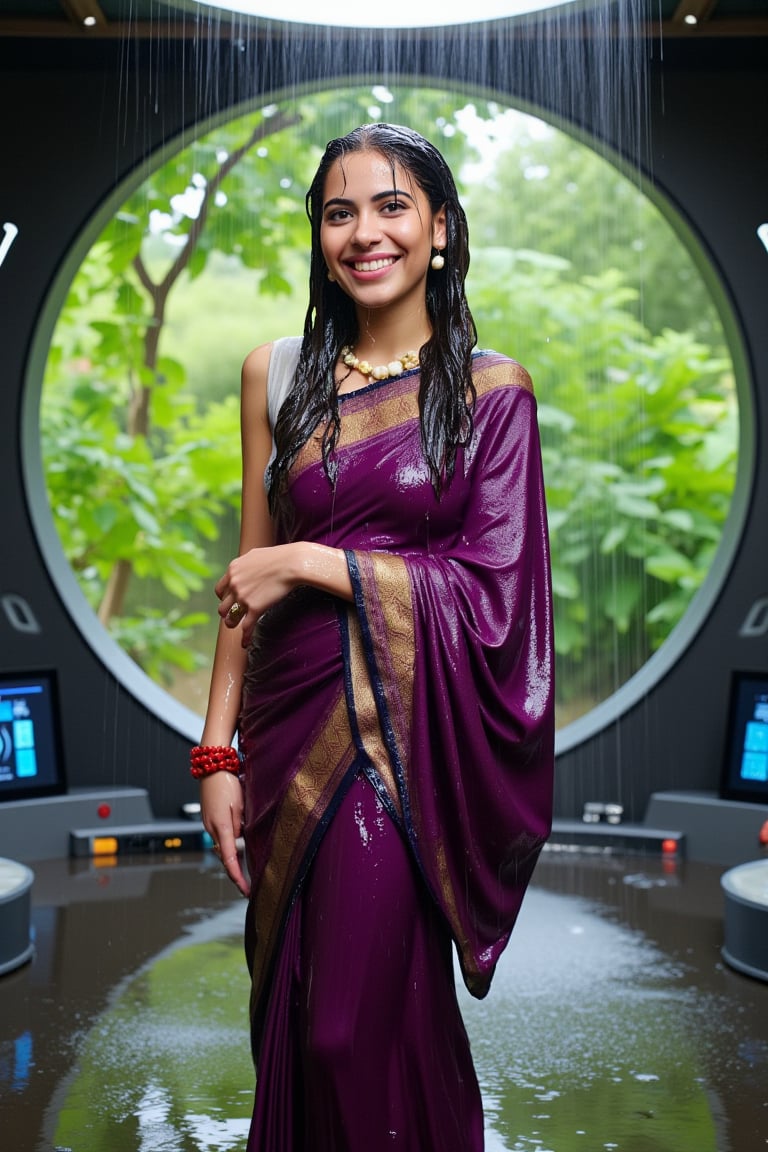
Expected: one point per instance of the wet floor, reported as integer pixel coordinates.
(612, 1024)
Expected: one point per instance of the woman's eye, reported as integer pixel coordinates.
(393, 206)
(337, 215)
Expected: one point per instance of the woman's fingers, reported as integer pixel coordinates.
(232, 608)
(221, 588)
(221, 796)
(233, 612)
(226, 850)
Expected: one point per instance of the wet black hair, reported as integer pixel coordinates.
(446, 391)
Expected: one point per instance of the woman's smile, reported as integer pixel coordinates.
(373, 263)
(371, 269)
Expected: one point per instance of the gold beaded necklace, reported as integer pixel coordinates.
(382, 371)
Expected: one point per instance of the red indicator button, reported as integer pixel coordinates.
(669, 847)
(103, 811)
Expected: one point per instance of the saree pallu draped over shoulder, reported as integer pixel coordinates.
(435, 685)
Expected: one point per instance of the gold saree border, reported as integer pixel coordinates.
(366, 413)
(366, 713)
(388, 606)
(364, 417)
(495, 374)
(389, 620)
(307, 799)
(469, 966)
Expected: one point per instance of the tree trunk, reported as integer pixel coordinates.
(113, 600)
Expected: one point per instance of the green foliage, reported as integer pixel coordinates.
(639, 442)
(147, 500)
(550, 194)
(241, 317)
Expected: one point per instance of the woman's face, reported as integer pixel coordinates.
(378, 232)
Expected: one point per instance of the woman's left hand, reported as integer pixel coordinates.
(221, 801)
(252, 583)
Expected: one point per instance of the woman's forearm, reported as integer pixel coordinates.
(323, 568)
(226, 689)
(302, 563)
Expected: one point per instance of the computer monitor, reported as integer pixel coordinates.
(745, 760)
(31, 756)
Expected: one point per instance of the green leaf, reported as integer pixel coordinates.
(613, 538)
(635, 507)
(565, 583)
(669, 565)
(620, 601)
(145, 520)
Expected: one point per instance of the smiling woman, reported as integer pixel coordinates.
(393, 588)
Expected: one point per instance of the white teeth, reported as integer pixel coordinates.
(374, 265)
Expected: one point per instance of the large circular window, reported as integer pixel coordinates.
(575, 272)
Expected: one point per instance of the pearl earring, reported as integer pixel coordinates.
(438, 261)
(330, 276)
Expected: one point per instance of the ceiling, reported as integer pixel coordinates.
(176, 18)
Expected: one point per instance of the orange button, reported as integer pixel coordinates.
(104, 845)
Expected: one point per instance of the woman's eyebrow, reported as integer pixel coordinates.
(340, 201)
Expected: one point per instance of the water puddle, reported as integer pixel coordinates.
(612, 1023)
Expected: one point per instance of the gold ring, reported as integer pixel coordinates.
(235, 611)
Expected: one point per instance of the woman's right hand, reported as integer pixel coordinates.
(221, 803)
(253, 582)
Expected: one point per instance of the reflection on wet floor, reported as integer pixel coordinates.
(612, 1023)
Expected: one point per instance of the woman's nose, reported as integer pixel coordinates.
(367, 230)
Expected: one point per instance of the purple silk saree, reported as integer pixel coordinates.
(408, 734)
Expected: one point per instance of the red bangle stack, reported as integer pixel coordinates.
(205, 759)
